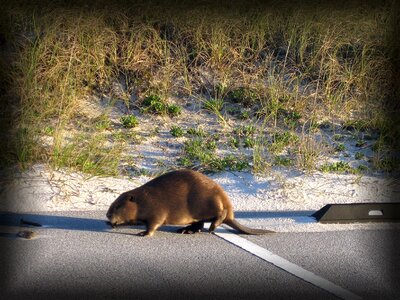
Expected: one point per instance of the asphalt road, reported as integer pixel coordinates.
(75, 254)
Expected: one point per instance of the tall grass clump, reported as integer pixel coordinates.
(321, 63)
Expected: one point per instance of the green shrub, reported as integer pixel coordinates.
(174, 110)
(102, 122)
(249, 142)
(243, 95)
(282, 140)
(292, 118)
(359, 155)
(283, 161)
(129, 121)
(234, 142)
(176, 131)
(339, 167)
(245, 130)
(244, 115)
(200, 151)
(197, 132)
(340, 147)
(214, 105)
(48, 130)
(154, 104)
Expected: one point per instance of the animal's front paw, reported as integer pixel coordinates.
(144, 233)
(189, 230)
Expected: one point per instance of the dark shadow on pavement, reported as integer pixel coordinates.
(51, 221)
(9, 219)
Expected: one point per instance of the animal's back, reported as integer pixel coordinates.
(190, 191)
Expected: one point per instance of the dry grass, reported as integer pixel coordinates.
(326, 65)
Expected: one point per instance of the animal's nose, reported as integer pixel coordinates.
(108, 215)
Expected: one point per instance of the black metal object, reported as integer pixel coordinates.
(358, 212)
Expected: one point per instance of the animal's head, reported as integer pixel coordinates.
(123, 210)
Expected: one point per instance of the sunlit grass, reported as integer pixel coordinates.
(321, 64)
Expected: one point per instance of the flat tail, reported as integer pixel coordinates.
(247, 230)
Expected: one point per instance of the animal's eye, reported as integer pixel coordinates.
(130, 198)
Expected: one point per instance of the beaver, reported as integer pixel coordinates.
(177, 198)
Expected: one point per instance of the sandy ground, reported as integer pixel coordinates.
(282, 201)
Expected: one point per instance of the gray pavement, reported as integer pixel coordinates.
(366, 262)
(77, 255)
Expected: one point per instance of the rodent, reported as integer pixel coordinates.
(177, 198)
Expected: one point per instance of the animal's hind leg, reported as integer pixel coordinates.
(218, 221)
(192, 228)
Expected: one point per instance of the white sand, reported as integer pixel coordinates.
(281, 201)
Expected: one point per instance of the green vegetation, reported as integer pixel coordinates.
(129, 121)
(48, 130)
(245, 130)
(359, 155)
(292, 119)
(249, 142)
(174, 110)
(340, 147)
(103, 122)
(244, 96)
(90, 154)
(283, 161)
(282, 69)
(359, 125)
(339, 167)
(386, 164)
(244, 115)
(154, 104)
(308, 151)
(282, 140)
(197, 132)
(337, 137)
(123, 136)
(215, 105)
(360, 143)
(202, 152)
(176, 131)
(234, 142)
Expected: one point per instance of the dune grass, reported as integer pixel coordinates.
(290, 66)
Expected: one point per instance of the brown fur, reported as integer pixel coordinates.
(177, 198)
